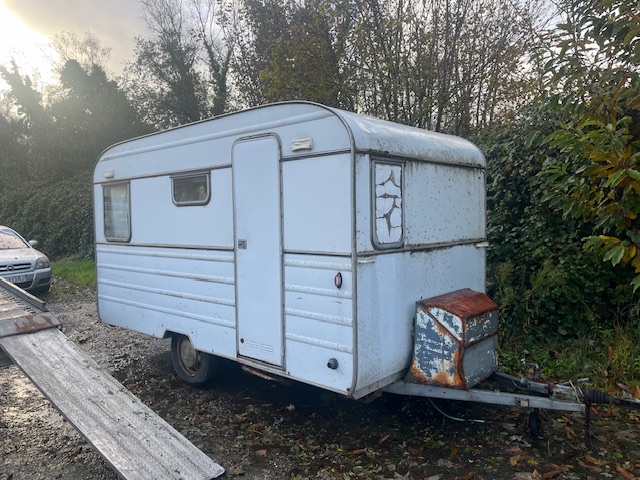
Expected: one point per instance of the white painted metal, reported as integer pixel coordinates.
(441, 204)
(375, 135)
(325, 184)
(445, 203)
(196, 228)
(256, 193)
(389, 283)
(384, 348)
(158, 289)
(317, 198)
(487, 396)
(319, 320)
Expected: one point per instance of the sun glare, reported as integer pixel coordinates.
(26, 47)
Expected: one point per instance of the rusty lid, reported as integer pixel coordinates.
(462, 303)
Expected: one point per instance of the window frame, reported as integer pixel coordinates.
(191, 203)
(377, 243)
(118, 239)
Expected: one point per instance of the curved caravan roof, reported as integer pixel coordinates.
(375, 135)
(331, 129)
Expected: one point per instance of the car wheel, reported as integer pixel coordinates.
(192, 366)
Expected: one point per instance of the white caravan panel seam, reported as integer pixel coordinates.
(228, 258)
(171, 293)
(170, 311)
(167, 273)
(316, 264)
(169, 173)
(333, 319)
(168, 246)
(323, 292)
(307, 156)
(338, 347)
(422, 247)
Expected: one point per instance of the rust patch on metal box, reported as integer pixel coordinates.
(449, 377)
(462, 303)
(455, 340)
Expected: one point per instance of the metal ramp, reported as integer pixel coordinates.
(134, 441)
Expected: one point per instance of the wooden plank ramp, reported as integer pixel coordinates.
(128, 435)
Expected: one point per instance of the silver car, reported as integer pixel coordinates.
(22, 264)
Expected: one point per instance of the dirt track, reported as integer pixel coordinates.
(260, 430)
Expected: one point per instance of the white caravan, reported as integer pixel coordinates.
(295, 239)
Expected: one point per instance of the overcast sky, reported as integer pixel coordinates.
(114, 22)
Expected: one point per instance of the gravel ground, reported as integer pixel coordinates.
(260, 430)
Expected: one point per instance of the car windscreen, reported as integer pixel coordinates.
(9, 240)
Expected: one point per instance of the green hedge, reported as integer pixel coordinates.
(59, 215)
(538, 273)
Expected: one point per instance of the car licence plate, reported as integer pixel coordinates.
(18, 279)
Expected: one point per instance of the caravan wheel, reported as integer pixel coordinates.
(192, 366)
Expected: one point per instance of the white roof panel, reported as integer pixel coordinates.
(332, 130)
(375, 135)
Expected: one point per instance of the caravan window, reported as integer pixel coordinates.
(117, 213)
(191, 189)
(387, 204)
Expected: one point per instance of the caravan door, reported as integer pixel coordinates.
(258, 249)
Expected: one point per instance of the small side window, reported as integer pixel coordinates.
(389, 221)
(117, 213)
(191, 189)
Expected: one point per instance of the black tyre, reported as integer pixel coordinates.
(192, 366)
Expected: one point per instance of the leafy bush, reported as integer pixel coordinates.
(591, 80)
(580, 187)
(539, 275)
(59, 215)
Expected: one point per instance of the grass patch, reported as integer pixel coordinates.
(606, 356)
(76, 272)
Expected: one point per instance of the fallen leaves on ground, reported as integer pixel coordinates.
(625, 473)
(556, 472)
(453, 450)
(593, 460)
(592, 468)
(358, 451)
(535, 475)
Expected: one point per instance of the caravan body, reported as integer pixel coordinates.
(293, 238)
